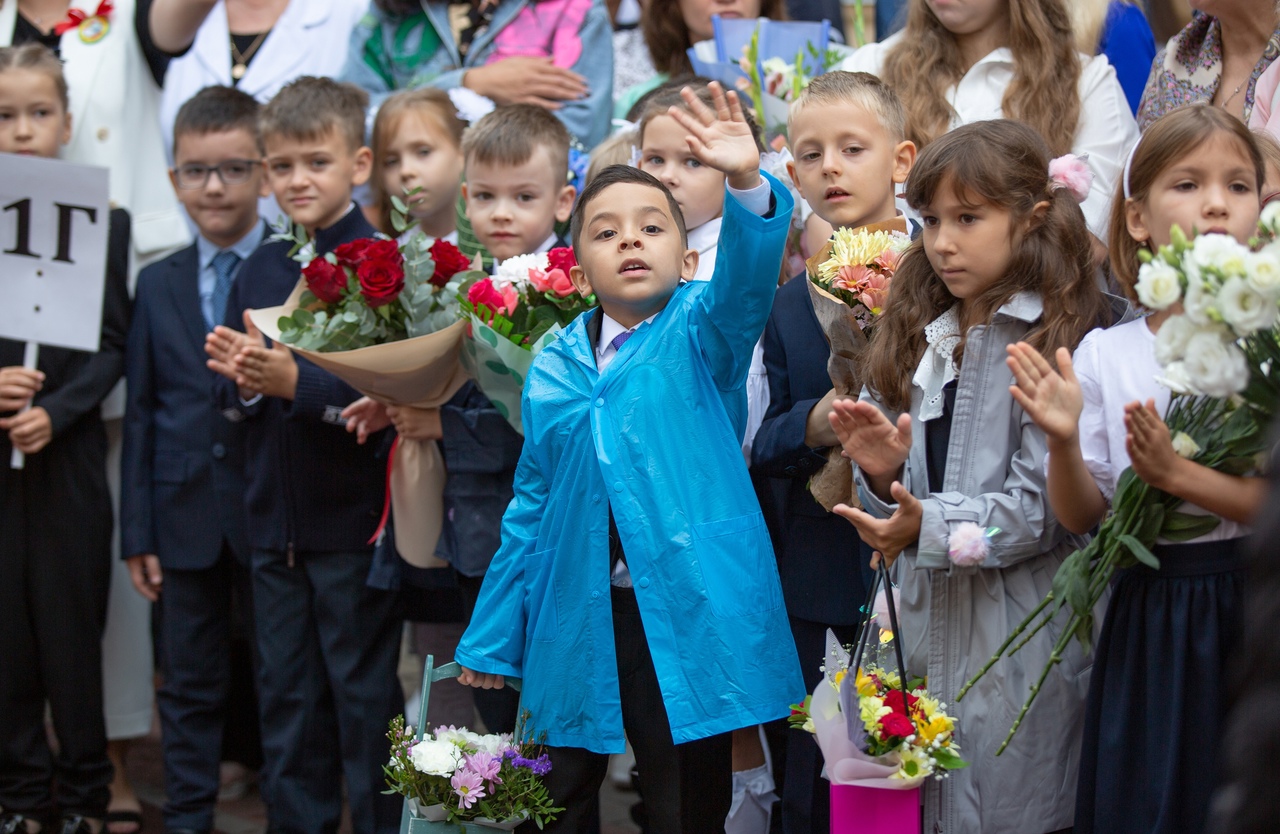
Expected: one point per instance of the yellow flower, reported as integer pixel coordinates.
(938, 728)
(866, 686)
(855, 248)
(915, 763)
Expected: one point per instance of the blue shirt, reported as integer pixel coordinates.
(207, 251)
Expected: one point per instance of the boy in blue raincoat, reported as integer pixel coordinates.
(635, 587)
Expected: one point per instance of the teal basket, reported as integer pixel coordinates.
(410, 824)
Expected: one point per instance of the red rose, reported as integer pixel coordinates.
(381, 281)
(561, 258)
(485, 293)
(383, 250)
(893, 700)
(449, 262)
(352, 253)
(894, 725)
(325, 280)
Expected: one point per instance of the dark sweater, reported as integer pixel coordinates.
(311, 486)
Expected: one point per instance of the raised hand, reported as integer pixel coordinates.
(1053, 401)
(720, 138)
(1149, 444)
(877, 446)
(888, 537)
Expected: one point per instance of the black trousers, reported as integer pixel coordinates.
(687, 788)
(806, 796)
(327, 688)
(196, 699)
(55, 570)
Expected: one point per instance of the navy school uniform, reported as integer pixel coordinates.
(824, 567)
(55, 568)
(182, 499)
(328, 642)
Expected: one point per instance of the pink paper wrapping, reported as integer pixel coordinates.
(845, 763)
(861, 810)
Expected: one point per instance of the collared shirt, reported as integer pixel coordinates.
(706, 240)
(206, 251)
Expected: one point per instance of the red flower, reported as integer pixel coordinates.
(352, 253)
(485, 293)
(449, 262)
(561, 258)
(894, 725)
(381, 280)
(893, 700)
(325, 280)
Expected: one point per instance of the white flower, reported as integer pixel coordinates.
(1159, 285)
(1185, 446)
(435, 757)
(1244, 308)
(1198, 303)
(1264, 272)
(515, 271)
(1215, 367)
(1171, 339)
(1220, 253)
(471, 106)
(1271, 216)
(1174, 377)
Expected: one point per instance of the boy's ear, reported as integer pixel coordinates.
(173, 181)
(66, 131)
(564, 203)
(689, 267)
(580, 281)
(466, 202)
(1134, 221)
(791, 172)
(264, 187)
(904, 157)
(363, 166)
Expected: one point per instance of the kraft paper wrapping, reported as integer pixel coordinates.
(833, 483)
(423, 372)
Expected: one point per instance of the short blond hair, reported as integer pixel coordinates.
(510, 134)
(858, 88)
(308, 108)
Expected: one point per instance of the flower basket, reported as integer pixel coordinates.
(860, 810)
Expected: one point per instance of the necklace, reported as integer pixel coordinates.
(240, 60)
(1234, 93)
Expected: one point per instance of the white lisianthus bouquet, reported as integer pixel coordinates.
(1220, 357)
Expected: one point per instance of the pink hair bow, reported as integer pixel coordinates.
(1072, 173)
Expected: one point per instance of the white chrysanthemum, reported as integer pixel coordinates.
(1198, 303)
(435, 758)
(494, 744)
(515, 271)
(1215, 367)
(1264, 272)
(1159, 285)
(1219, 253)
(1171, 340)
(1244, 308)
(1185, 446)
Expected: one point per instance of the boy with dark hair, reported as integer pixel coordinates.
(517, 180)
(635, 588)
(182, 470)
(848, 139)
(328, 643)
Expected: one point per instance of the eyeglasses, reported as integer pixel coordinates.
(230, 171)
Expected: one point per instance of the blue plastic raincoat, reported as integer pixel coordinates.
(657, 435)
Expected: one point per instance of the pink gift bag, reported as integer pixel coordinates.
(859, 810)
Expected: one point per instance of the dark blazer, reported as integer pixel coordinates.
(820, 558)
(182, 468)
(311, 486)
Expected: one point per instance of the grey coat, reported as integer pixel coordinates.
(953, 619)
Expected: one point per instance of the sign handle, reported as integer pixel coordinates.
(30, 358)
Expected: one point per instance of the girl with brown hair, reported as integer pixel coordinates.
(1003, 258)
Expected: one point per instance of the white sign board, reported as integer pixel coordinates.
(54, 218)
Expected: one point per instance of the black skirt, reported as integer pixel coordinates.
(1158, 696)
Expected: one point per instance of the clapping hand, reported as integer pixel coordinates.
(1052, 400)
(271, 371)
(877, 446)
(1149, 444)
(887, 536)
(720, 138)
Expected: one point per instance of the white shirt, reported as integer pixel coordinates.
(705, 240)
(1106, 130)
(1108, 385)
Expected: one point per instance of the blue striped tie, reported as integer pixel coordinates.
(224, 264)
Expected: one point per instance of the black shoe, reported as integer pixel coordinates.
(184, 831)
(76, 824)
(17, 824)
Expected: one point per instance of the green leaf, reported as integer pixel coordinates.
(1139, 551)
(1183, 527)
(948, 760)
(302, 317)
(1152, 520)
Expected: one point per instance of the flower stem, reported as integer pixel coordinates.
(1054, 659)
(1012, 636)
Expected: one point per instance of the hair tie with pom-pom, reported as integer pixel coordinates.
(969, 544)
(1072, 173)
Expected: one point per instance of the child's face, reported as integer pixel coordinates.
(969, 246)
(223, 211)
(967, 17)
(1212, 189)
(422, 154)
(846, 164)
(698, 189)
(697, 14)
(32, 119)
(312, 178)
(630, 253)
(514, 209)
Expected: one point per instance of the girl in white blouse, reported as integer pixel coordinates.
(957, 63)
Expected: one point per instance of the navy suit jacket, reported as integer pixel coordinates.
(821, 560)
(182, 469)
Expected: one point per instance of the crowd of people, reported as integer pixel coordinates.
(644, 552)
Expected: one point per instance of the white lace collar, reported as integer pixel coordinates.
(937, 366)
